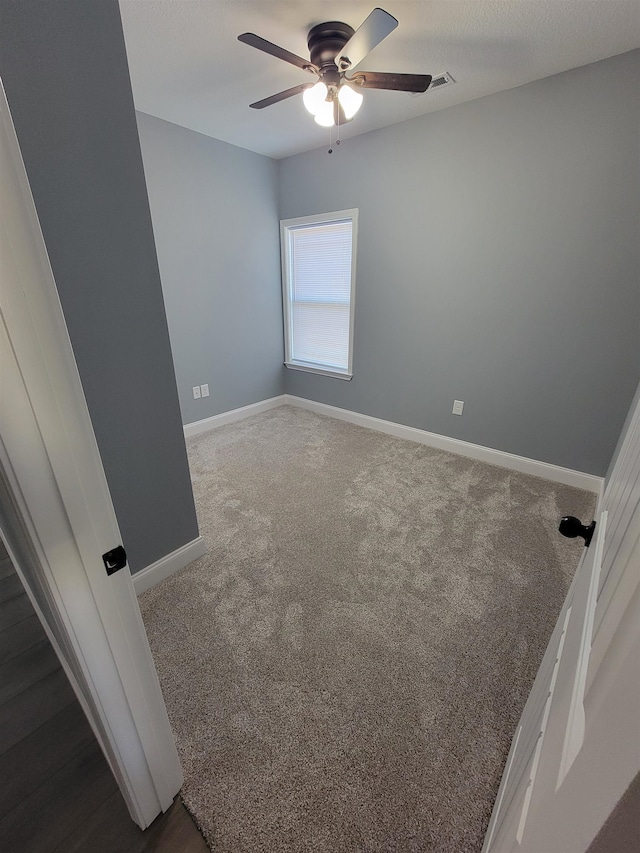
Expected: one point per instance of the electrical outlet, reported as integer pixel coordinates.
(196, 392)
(204, 389)
(458, 406)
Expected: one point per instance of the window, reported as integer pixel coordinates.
(318, 282)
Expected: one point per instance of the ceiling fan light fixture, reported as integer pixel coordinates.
(315, 98)
(324, 116)
(335, 47)
(350, 100)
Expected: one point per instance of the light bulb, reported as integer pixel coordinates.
(324, 116)
(315, 97)
(350, 100)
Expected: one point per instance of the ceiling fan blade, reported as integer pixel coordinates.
(279, 52)
(368, 35)
(273, 99)
(399, 82)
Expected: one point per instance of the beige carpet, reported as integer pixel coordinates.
(345, 669)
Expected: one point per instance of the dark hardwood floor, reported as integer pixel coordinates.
(57, 794)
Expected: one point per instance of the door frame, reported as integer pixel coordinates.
(58, 519)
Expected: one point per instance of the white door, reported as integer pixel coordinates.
(56, 514)
(577, 746)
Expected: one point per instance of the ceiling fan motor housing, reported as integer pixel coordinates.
(325, 41)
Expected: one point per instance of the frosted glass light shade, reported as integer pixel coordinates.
(350, 100)
(324, 116)
(315, 97)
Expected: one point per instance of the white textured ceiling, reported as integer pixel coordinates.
(188, 67)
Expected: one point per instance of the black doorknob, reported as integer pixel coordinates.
(572, 527)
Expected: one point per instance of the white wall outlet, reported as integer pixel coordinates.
(458, 406)
(196, 392)
(204, 390)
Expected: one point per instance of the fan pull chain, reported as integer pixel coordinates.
(330, 151)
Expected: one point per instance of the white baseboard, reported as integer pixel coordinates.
(232, 416)
(171, 563)
(168, 565)
(555, 473)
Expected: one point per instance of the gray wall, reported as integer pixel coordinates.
(498, 264)
(215, 215)
(64, 68)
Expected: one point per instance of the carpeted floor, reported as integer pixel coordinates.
(345, 668)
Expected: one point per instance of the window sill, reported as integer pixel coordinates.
(321, 371)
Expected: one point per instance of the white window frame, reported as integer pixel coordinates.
(286, 227)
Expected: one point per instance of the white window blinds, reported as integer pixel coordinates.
(318, 292)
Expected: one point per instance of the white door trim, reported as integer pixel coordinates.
(52, 466)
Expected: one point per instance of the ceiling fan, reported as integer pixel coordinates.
(334, 49)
